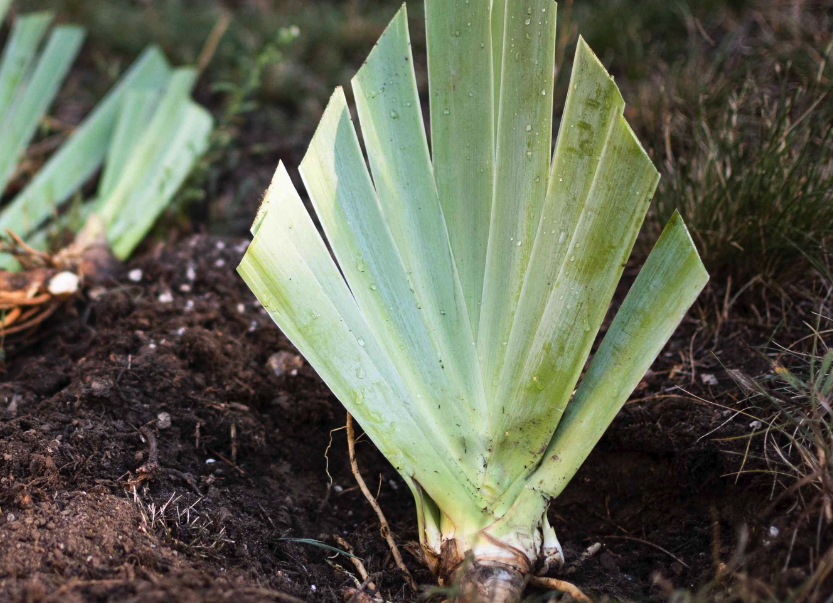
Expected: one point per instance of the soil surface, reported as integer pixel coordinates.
(161, 440)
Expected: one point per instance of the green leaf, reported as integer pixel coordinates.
(319, 544)
(34, 96)
(146, 153)
(394, 134)
(667, 285)
(18, 54)
(522, 162)
(462, 133)
(185, 144)
(134, 117)
(498, 13)
(4, 6)
(83, 152)
(287, 261)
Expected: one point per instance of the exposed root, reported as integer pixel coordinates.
(385, 527)
(357, 563)
(556, 584)
(29, 297)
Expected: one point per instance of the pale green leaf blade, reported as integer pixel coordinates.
(498, 11)
(345, 201)
(82, 153)
(667, 285)
(158, 184)
(388, 105)
(538, 382)
(34, 98)
(4, 7)
(592, 109)
(462, 133)
(522, 162)
(389, 419)
(136, 112)
(150, 147)
(18, 54)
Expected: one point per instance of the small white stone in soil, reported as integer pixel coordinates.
(220, 263)
(185, 288)
(64, 283)
(191, 273)
(220, 245)
(166, 297)
(241, 308)
(210, 461)
(135, 275)
(708, 379)
(163, 420)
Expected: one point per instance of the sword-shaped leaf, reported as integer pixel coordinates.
(522, 165)
(81, 155)
(462, 133)
(667, 285)
(334, 335)
(18, 55)
(394, 135)
(34, 95)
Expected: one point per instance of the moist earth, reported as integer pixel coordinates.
(162, 440)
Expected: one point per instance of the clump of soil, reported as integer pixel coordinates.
(163, 441)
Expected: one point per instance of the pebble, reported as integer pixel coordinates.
(163, 420)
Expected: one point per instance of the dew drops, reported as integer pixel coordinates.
(482, 44)
(562, 236)
(529, 11)
(373, 287)
(446, 112)
(529, 128)
(537, 178)
(505, 343)
(394, 115)
(468, 24)
(360, 372)
(528, 21)
(457, 34)
(572, 258)
(360, 341)
(519, 243)
(543, 92)
(408, 104)
(529, 154)
(471, 93)
(561, 179)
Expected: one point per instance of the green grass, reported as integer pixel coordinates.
(743, 132)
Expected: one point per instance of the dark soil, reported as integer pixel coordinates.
(183, 355)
